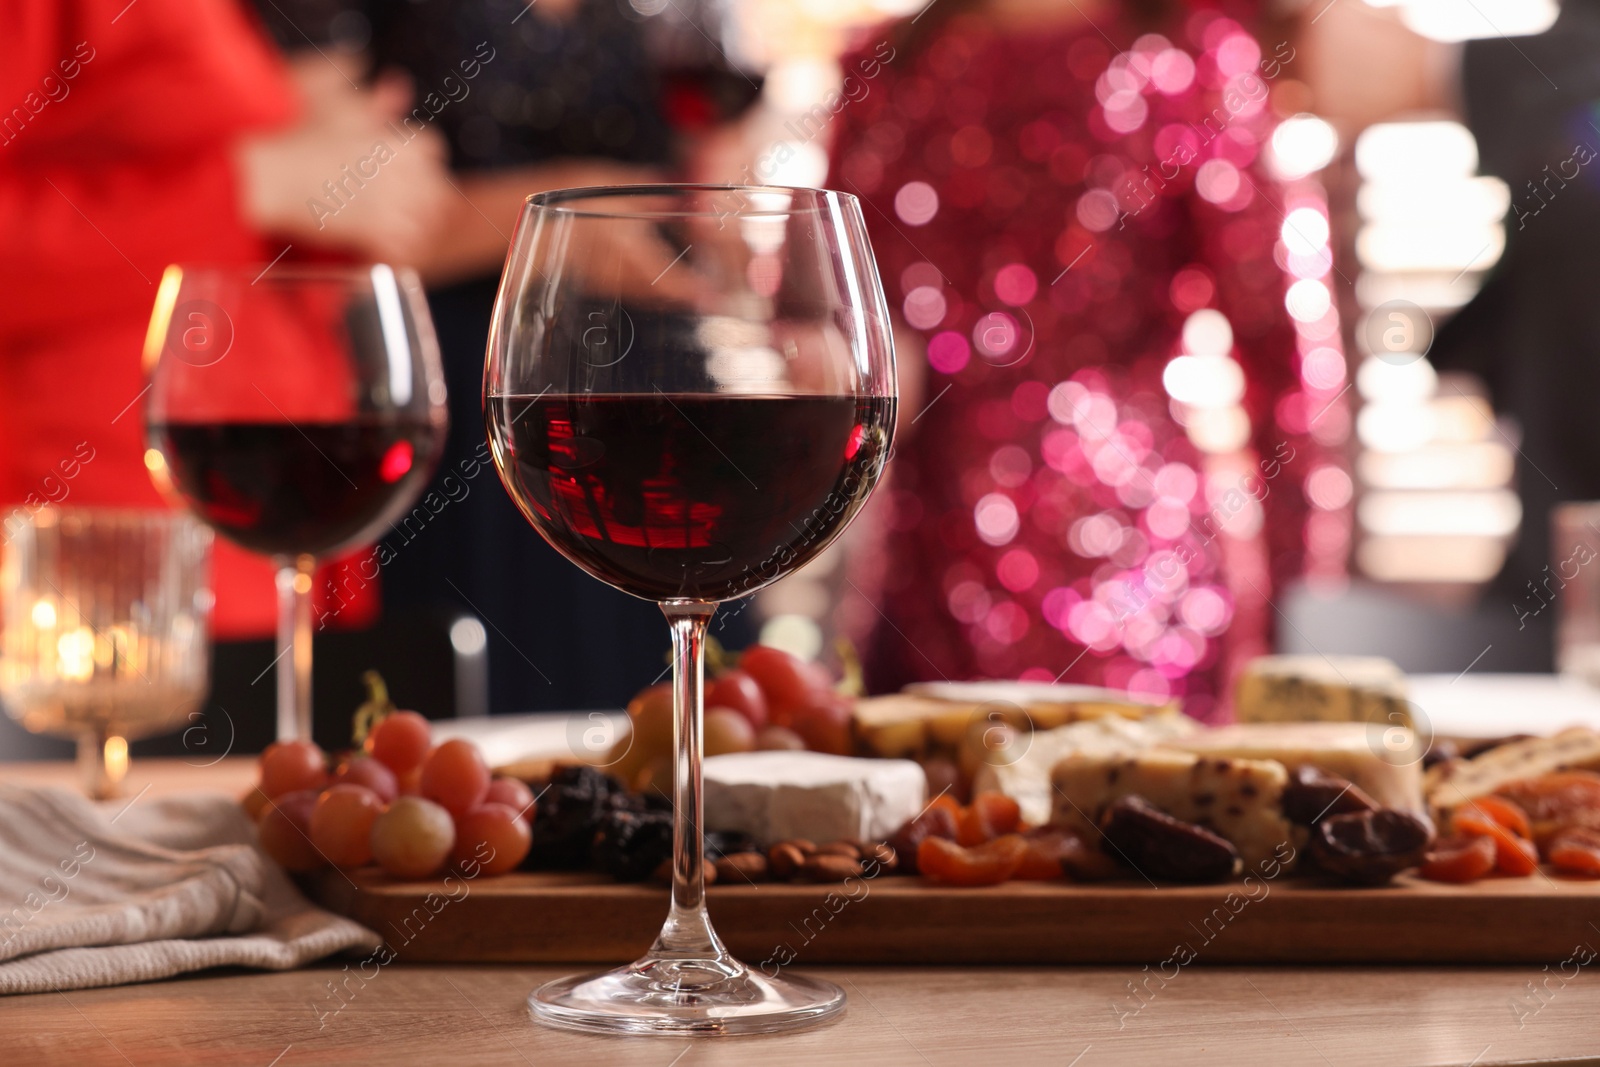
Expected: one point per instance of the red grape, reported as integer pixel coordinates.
(514, 794)
(288, 766)
(367, 771)
(493, 836)
(825, 725)
(413, 838)
(285, 829)
(737, 690)
(341, 824)
(788, 682)
(400, 741)
(455, 775)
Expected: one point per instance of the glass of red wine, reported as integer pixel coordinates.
(297, 410)
(689, 392)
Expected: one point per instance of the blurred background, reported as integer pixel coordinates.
(1224, 326)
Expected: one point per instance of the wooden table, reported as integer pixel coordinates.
(1088, 1016)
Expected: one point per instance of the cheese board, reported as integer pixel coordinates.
(582, 918)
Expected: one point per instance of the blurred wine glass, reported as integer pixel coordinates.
(298, 411)
(103, 629)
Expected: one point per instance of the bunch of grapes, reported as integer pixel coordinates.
(771, 700)
(407, 805)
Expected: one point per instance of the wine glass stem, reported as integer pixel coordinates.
(687, 933)
(102, 772)
(294, 646)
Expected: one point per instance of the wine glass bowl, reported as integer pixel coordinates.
(298, 410)
(689, 392)
(103, 629)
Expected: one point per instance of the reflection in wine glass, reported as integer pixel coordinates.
(103, 629)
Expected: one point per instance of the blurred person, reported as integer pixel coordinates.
(1532, 331)
(1063, 196)
(529, 97)
(133, 136)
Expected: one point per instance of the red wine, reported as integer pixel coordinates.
(696, 497)
(286, 488)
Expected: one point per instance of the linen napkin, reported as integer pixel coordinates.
(131, 891)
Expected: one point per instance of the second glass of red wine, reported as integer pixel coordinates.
(690, 391)
(298, 411)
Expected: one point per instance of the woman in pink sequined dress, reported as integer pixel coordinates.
(1104, 474)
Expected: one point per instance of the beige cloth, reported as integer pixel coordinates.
(97, 895)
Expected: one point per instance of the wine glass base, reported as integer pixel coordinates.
(685, 998)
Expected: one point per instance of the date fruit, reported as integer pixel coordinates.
(1159, 846)
(1313, 794)
(1370, 847)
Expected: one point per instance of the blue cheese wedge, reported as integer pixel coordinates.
(935, 718)
(777, 796)
(1322, 689)
(1021, 768)
(1361, 752)
(1239, 799)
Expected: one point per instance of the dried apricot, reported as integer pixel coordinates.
(1459, 858)
(1485, 810)
(987, 864)
(989, 816)
(1556, 799)
(1576, 850)
(1514, 854)
(1048, 849)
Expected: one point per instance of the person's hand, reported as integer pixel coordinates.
(632, 259)
(388, 195)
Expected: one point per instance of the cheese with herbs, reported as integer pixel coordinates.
(1383, 761)
(1237, 798)
(1021, 768)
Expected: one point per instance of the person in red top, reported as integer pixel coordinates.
(132, 136)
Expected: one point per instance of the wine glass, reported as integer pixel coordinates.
(298, 411)
(103, 624)
(689, 393)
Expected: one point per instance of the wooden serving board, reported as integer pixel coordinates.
(577, 918)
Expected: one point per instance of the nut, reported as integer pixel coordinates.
(1313, 795)
(882, 855)
(742, 867)
(1370, 847)
(1159, 846)
(829, 868)
(839, 848)
(783, 860)
(805, 845)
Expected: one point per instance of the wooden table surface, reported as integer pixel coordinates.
(1064, 1017)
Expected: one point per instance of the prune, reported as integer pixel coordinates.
(567, 816)
(629, 844)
